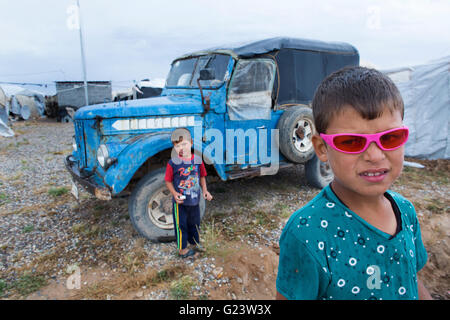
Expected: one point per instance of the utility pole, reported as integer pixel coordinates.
(83, 58)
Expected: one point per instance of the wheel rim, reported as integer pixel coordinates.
(302, 134)
(159, 209)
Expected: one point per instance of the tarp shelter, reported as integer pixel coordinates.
(5, 131)
(425, 90)
(4, 106)
(24, 102)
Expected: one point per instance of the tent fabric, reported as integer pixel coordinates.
(4, 114)
(5, 131)
(32, 101)
(29, 107)
(426, 95)
(3, 98)
(4, 106)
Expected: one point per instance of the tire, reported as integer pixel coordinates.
(66, 119)
(318, 173)
(296, 128)
(150, 208)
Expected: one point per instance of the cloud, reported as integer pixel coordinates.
(139, 39)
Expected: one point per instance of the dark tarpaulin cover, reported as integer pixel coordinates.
(301, 72)
(302, 63)
(279, 43)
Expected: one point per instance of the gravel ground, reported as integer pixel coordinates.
(42, 233)
(44, 230)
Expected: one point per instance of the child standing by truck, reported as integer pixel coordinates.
(186, 179)
(356, 239)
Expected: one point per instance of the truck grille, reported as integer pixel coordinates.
(79, 137)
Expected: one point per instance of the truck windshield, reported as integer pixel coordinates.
(184, 73)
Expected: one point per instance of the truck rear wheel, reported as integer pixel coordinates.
(296, 128)
(318, 173)
(150, 208)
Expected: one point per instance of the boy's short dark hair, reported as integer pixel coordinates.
(366, 90)
(179, 135)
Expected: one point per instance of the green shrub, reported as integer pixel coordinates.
(56, 192)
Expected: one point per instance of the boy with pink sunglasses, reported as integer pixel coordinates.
(356, 239)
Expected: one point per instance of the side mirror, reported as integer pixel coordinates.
(207, 74)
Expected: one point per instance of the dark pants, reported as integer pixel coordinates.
(186, 221)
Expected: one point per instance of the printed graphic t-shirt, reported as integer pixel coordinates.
(328, 252)
(185, 175)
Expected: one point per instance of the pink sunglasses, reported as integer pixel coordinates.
(357, 143)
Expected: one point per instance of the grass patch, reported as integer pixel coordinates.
(3, 287)
(86, 230)
(28, 228)
(61, 152)
(437, 207)
(3, 197)
(247, 201)
(57, 192)
(180, 289)
(161, 276)
(213, 241)
(28, 284)
(282, 210)
(123, 284)
(264, 219)
(416, 177)
(80, 228)
(15, 177)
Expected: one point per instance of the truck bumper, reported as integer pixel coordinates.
(88, 184)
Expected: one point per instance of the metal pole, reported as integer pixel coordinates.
(83, 59)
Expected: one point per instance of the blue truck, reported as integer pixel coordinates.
(247, 106)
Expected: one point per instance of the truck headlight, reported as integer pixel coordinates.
(74, 143)
(102, 155)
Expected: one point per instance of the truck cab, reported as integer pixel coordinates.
(247, 107)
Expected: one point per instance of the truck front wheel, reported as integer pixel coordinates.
(150, 207)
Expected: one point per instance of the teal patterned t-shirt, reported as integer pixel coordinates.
(329, 252)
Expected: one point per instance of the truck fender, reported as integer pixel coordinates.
(133, 157)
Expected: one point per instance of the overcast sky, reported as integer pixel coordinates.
(136, 39)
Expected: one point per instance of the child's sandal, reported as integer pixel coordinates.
(187, 254)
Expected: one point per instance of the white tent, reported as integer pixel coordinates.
(426, 93)
(5, 131)
(33, 102)
(4, 106)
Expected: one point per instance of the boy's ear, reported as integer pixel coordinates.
(320, 147)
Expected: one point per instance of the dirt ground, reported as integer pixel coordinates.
(251, 271)
(111, 261)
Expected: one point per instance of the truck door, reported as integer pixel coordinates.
(248, 120)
